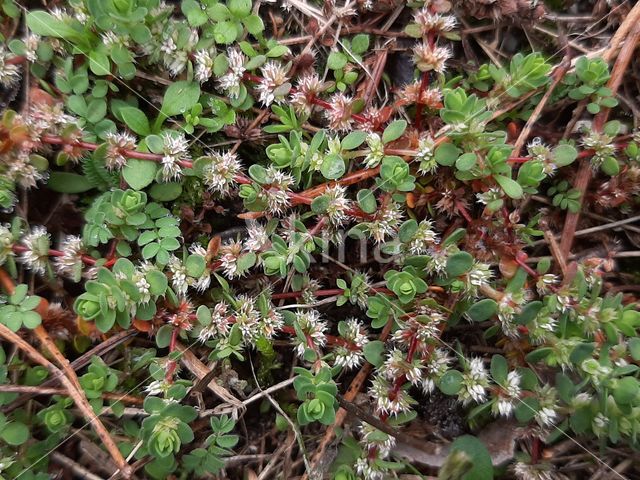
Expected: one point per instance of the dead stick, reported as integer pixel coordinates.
(558, 75)
(78, 398)
(349, 396)
(584, 173)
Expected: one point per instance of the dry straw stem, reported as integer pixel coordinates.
(200, 370)
(79, 399)
(349, 396)
(631, 29)
(70, 382)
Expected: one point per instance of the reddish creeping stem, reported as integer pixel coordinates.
(55, 253)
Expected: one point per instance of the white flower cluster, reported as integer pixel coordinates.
(307, 87)
(351, 355)
(9, 73)
(424, 239)
(219, 326)
(426, 154)
(36, 255)
(313, 327)
(338, 205)
(276, 193)
(117, 144)
(433, 22)
(220, 172)
(6, 243)
(376, 150)
(70, 263)
(475, 381)
(204, 65)
(386, 403)
(175, 148)
(231, 81)
(508, 396)
(273, 86)
(428, 57)
(385, 222)
(339, 115)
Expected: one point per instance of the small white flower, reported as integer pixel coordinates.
(338, 205)
(6, 244)
(231, 81)
(385, 223)
(36, 256)
(204, 65)
(380, 393)
(313, 328)
(257, 237)
(248, 318)
(9, 73)
(70, 263)
(276, 193)
(351, 355)
(339, 115)
(229, 254)
(31, 46)
(376, 150)
(117, 143)
(546, 416)
(426, 154)
(219, 174)
(431, 57)
(178, 275)
(274, 76)
(175, 148)
(475, 381)
(424, 238)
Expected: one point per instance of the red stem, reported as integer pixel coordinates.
(172, 365)
(55, 253)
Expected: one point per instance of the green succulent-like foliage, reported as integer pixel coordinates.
(166, 428)
(19, 309)
(318, 395)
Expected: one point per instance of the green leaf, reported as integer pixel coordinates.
(253, 24)
(353, 140)
(99, 63)
(626, 390)
(482, 310)
(165, 192)
(610, 166)
(139, 173)
(564, 155)
(180, 97)
(634, 348)
(225, 32)
(447, 154)
(510, 186)
(394, 131)
(67, 182)
(136, 120)
(466, 161)
(451, 382)
(528, 313)
(15, 433)
(337, 60)
(499, 369)
(195, 265)
(367, 201)
(360, 43)
(157, 282)
(45, 24)
(373, 352)
(481, 467)
(459, 264)
(332, 167)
